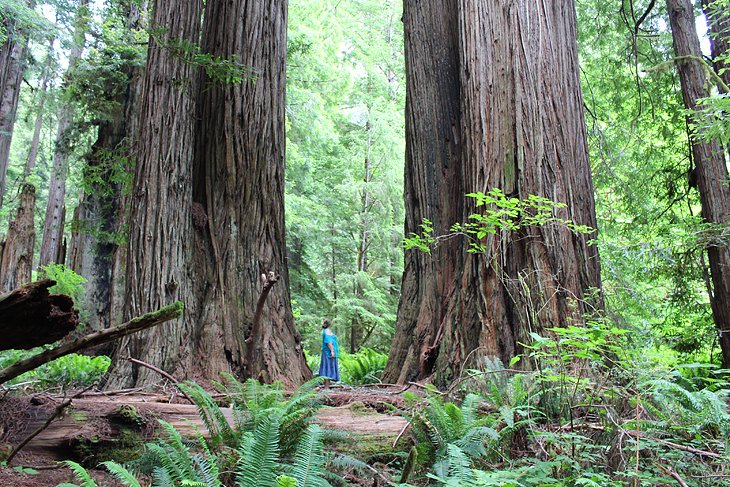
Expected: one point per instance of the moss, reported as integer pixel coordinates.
(128, 414)
(126, 446)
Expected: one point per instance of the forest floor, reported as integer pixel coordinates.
(367, 415)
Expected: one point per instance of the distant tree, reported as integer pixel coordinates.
(12, 55)
(710, 169)
(52, 250)
(493, 101)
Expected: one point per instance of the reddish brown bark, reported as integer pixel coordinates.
(239, 198)
(159, 222)
(518, 127)
(710, 166)
(16, 256)
(12, 53)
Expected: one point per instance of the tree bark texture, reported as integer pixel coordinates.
(239, 199)
(493, 102)
(11, 74)
(710, 167)
(16, 256)
(30, 316)
(159, 221)
(53, 225)
(719, 29)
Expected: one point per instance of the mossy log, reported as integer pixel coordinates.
(101, 428)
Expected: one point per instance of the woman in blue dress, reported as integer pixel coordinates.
(329, 367)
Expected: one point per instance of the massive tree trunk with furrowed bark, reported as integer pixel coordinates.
(493, 101)
(207, 222)
(238, 209)
(159, 221)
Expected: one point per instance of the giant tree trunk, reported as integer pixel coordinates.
(11, 74)
(519, 127)
(239, 199)
(710, 167)
(160, 216)
(53, 224)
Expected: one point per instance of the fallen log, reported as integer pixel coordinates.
(140, 323)
(31, 316)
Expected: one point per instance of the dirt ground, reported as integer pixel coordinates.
(366, 414)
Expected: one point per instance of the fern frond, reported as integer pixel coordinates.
(81, 474)
(309, 458)
(259, 463)
(121, 474)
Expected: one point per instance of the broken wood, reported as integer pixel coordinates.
(140, 323)
(162, 373)
(31, 316)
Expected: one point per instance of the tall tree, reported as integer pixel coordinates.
(493, 101)
(718, 20)
(12, 53)
(53, 226)
(239, 198)
(710, 168)
(159, 221)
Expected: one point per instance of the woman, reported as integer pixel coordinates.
(328, 367)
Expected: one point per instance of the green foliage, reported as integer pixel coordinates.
(496, 213)
(67, 281)
(364, 367)
(71, 370)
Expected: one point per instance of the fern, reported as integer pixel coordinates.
(81, 474)
(212, 415)
(259, 455)
(309, 459)
(121, 474)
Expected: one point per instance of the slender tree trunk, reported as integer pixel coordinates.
(718, 20)
(239, 196)
(53, 226)
(160, 218)
(710, 167)
(519, 127)
(12, 54)
(99, 218)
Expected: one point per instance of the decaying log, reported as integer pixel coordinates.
(95, 429)
(30, 316)
(140, 323)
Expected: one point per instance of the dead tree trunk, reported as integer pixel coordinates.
(30, 316)
(16, 257)
(709, 166)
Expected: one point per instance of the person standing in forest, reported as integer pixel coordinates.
(328, 367)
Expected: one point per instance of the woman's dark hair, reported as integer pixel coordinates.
(328, 323)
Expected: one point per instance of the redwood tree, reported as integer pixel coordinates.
(159, 221)
(12, 53)
(709, 166)
(518, 127)
(207, 217)
(239, 197)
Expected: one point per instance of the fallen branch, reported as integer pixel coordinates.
(674, 475)
(677, 446)
(162, 373)
(140, 323)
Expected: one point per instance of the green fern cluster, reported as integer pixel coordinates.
(449, 437)
(364, 367)
(268, 440)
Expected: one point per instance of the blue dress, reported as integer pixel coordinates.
(329, 367)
